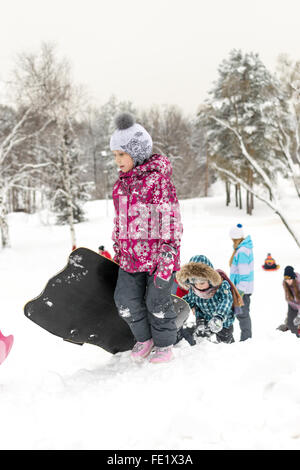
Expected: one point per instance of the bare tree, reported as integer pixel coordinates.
(179, 138)
(273, 201)
(13, 170)
(42, 79)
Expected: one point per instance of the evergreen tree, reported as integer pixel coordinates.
(289, 127)
(248, 100)
(68, 181)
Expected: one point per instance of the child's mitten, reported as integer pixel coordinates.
(215, 324)
(296, 320)
(165, 267)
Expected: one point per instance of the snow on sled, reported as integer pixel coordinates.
(77, 304)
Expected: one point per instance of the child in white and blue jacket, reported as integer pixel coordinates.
(209, 296)
(242, 275)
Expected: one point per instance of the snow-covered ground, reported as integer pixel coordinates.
(55, 395)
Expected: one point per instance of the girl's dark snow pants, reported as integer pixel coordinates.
(148, 310)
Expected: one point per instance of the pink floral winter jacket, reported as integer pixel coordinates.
(147, 222)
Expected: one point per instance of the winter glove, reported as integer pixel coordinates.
(201, 327)
(296, 320)
(165, 267)
(215, 324)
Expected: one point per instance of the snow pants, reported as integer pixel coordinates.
(148, 311)
(244, 319)
(292, 313)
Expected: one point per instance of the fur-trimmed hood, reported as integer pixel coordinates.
(199, 269)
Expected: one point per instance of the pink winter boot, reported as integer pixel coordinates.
(141, 350)
(159, 355)
(6, 343)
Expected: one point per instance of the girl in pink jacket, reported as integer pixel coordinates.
(147, 233)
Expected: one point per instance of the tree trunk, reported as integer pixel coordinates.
(236, 196)
(33, 201)
(228, 199)
(240, 196)
(249, 194)
(14, 204)
(247, 202)
(4, 229)
(4, 232)
(206, 180)
(95, 172)
(9, 201)
(68, 189)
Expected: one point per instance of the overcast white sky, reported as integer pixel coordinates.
(149, 51)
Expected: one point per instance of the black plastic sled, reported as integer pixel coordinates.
(77, 304)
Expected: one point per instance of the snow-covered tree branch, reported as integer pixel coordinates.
(257, 168)
(274, 206)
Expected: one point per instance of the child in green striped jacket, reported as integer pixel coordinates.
(209, 296)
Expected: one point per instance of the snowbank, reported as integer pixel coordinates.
(55, 395)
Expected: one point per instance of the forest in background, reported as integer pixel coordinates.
(54, 143)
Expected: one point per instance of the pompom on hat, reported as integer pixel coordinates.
(236, 232)
(124, 121)
(130, 137)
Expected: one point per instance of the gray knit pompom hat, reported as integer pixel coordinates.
(132, 138)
